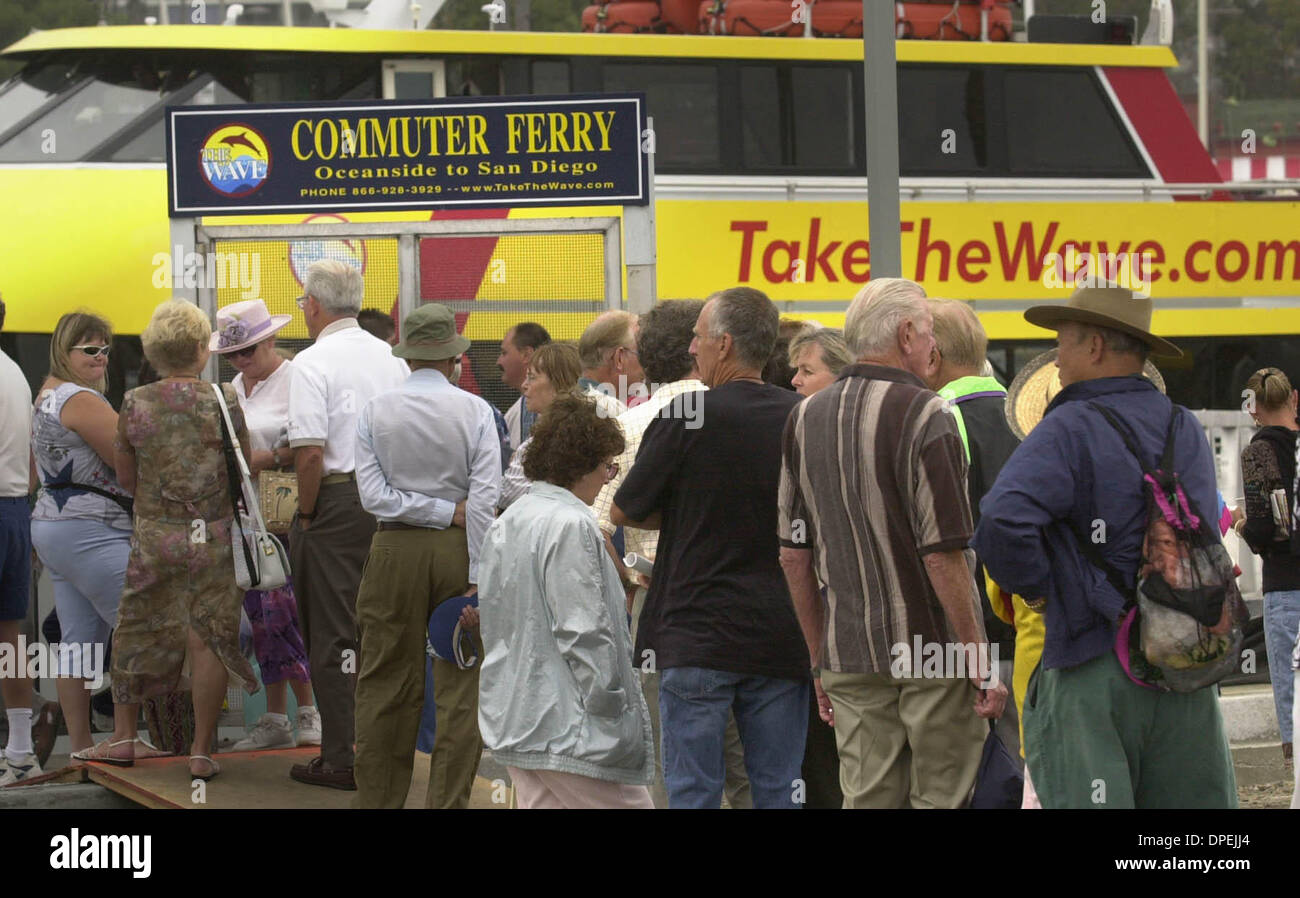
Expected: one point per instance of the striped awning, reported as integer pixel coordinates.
(1258, 167)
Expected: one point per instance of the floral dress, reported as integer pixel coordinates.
(180, 575)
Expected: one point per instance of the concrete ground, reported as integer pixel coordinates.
(1263, 780)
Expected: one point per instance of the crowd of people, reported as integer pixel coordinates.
(815, 510)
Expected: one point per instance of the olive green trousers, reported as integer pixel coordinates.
(407, 575)
(1096, 739)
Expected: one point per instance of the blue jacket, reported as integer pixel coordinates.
(1074, 467)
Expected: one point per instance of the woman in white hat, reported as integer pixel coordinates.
(245, 335)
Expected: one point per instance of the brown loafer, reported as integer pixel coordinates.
(317, 773)
(45, 729)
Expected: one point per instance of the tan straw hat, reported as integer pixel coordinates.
(1037, 385)
(1110, 306)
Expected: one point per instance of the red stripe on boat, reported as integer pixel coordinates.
(1162, 125)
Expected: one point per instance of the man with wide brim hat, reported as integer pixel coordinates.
(1073, 491)
(429, 334)
(1116, 308)
(421, 449)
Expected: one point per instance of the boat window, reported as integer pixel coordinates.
(474, 76)
(683, 99)
(941, 121)
(550, 76)
(150, 145)
(113, 98)
(1060, 123)
(760, 118)
(797, 117)
(293, 79)
(24, 93)
(822, 101)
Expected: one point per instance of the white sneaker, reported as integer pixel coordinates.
(17, 771)
(308, 726)
(266, 733)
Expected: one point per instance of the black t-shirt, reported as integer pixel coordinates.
(718, 598)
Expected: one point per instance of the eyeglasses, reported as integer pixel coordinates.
(93, 351)
(245, 352)
(611, 471)
(302, 301)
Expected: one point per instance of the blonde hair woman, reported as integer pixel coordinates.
(81, 525)
(817, 355)
(180, 581)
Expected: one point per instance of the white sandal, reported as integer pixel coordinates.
(216, 768)
(100, 753)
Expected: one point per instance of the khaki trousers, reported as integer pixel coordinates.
(408, 574)
(327, 559)
(905, 742)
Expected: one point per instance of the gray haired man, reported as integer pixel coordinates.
(873, 499)
(333, 379)
(718, 623)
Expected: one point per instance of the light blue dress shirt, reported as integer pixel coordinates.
(425, 446)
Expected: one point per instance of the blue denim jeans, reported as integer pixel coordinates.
(772, 715)
(1281, 621)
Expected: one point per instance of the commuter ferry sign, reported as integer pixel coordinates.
(396, 154)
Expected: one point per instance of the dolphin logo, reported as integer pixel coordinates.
(240, 140)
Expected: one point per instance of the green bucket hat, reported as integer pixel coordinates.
(429, 334)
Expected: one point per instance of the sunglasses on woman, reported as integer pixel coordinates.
(93, 351)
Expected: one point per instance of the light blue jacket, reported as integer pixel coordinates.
(557, 690)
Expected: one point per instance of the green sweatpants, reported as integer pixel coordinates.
(1095, 739)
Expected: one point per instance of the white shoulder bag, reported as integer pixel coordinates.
(260, 559)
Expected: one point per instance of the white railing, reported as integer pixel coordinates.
(1229, 432)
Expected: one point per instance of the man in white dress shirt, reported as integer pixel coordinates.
(332, 381)
(422, 449)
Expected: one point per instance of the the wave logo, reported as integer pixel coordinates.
(235, 160)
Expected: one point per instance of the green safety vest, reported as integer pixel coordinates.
(962, 388)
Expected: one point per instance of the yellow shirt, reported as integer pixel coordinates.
(1031, 632)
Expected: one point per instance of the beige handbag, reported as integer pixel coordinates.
(277, 494)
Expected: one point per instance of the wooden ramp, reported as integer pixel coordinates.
(248, 780)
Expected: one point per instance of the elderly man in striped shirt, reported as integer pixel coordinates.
(873, 499)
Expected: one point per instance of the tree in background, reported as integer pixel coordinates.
(1254, 56)
(19, 17)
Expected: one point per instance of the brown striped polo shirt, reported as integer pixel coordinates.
(873, 478)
